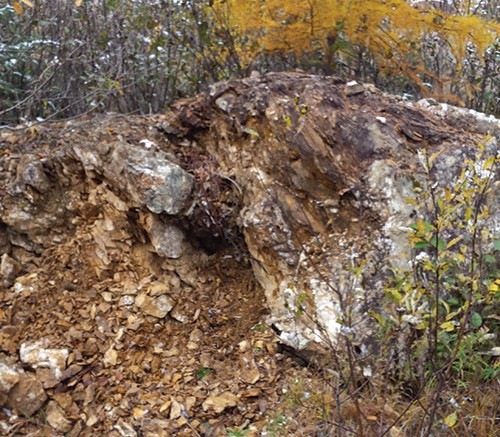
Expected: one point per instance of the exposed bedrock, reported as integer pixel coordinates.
(304, 175)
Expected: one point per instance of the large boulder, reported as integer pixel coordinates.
(325, 168)
(306, 175)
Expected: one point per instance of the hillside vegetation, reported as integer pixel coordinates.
(63, 58)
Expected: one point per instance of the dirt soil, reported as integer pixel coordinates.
(209, 367)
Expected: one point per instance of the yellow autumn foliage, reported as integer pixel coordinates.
(391, 30)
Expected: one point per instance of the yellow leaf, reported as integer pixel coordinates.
(433, 157)
(447, 326)
(468, 214)
(421, 325)
(411, 201)
(451, 420)
(454, 241)
(489, 162)
(78, 3)
(446, 306)
(18, 8)
(250, 131)
(453, 314)
(27, 3)
(447, 194)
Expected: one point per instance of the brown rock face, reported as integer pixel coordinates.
(323, 168)
(305, 175)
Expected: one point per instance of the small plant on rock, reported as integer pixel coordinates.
(441, 314)
(436, 326)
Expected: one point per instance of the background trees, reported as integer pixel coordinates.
(442, 48)
(62, 58)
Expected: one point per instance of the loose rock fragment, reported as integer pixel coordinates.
(19, 390)
(47, 377)
(244, 345)
(110, 357)
(194, 339)
(9, 268)
(178, 315)
(155, 427)
(352, 88)
(32, 173)
(27, 396)
(56, 417)
(125, 429)
(221, 402)
(158, 289)
(175, 410)
(9, 377)
(157, 307)
(250, 375)
(5, 243)
(37, 355)
(167, 239)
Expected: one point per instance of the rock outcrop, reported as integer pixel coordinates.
(324, 168)
(304, 175)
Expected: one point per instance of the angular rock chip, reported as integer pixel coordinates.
(167, 239)
(221, 402)
(155, 427)
(56, 418)
(9, 268)
(9, 377)
(38, 356)
(31, 172)
(157, 307)
(352, 88)
(27, 396)
(125, 429)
